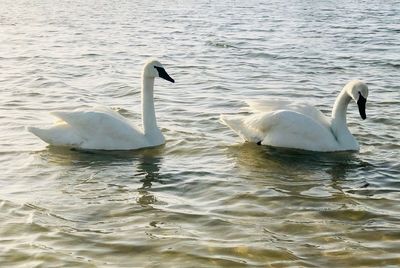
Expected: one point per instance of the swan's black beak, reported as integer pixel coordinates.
(163, 74)
(361, 106)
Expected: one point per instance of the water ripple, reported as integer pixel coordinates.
(204, 199)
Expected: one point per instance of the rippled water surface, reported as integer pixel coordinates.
(205, 199)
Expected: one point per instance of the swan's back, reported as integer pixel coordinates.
(100, 128)
(299, 107)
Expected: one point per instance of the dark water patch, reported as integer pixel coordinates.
(220, 44)
(350, 215)
(394, 65)
(91, 55)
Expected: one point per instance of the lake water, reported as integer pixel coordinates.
(205, 199)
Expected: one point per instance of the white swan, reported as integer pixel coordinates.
(104, 129)
(301, 126)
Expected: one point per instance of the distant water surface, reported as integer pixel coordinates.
(205, 199)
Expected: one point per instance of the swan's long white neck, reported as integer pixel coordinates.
(339, 110)
(339, 122)
(148, 113)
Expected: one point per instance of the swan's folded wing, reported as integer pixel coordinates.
(291, 129)
(99, 123)
(302, 108)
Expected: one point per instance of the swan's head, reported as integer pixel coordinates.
(358, 91)
(154, 68)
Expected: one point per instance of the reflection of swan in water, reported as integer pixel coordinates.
(149, 167)
(88, 167)
(288, 166)
(266, 159)
(65, 156)
(97, 189)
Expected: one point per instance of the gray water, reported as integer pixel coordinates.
(205, 199)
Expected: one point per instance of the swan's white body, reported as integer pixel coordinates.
(301, 126)
(104, 129)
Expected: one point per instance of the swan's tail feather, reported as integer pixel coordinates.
(41, 133)
(238, 125)
(59, 135)
(232, 122)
